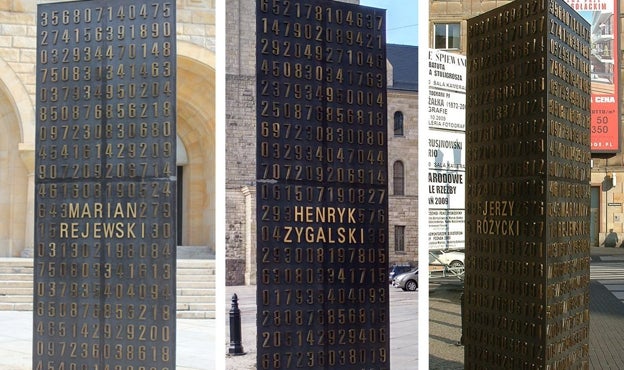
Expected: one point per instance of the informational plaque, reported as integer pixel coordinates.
(104, 269)
(526, 297)
(322, 232)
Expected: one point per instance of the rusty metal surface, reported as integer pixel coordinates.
(527, 209)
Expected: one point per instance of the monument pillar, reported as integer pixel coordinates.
(322, 186)
(528, 193)
(105, 186)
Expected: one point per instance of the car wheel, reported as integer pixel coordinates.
(411, 285)
(457, 266)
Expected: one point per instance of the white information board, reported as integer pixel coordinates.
(446, 150)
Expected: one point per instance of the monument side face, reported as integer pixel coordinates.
(526, 298)
(322, 260)
(105, 179)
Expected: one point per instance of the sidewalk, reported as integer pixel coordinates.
(194, 347)
(403, 328)
(606, 328)
(606, 320)
(196, 339)
(445, 326)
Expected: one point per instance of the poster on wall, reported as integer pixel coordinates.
(601, 15)
(446, 154)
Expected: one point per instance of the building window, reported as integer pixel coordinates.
(399, 238)
(446, 36)
(398, 123)
(399, 178)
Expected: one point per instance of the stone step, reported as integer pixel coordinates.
(195, 314)
(194, 274)
(16, 277)
(182, 292)
(16, 261)
(16, 291)
(196, 299)
(6, 283)
(194, 271)
(16, 266)
(195, 306)
(16, 306)
(195, 277)
(196, 284)
(16, 299)
(196, 262)
(4, 270)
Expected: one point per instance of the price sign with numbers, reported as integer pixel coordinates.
(104, 277)
(322, 259)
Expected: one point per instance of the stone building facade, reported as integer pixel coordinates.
(195, 123)
(607, 198)
(240, 92)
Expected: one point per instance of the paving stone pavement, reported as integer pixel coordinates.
(606, 317)
(606, 336)
(195, 340)
(445, 353)
(606, 327)
(403, 328)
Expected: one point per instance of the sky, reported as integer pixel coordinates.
(401, 19)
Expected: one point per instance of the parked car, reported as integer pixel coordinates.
(452, 259)
(396, 270)
(407, 281)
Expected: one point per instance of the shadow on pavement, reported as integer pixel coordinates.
(445, 326)
(436, 363)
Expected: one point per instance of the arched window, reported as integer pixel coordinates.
(398, 123)
(398, 175)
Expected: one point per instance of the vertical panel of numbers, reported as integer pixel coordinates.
(322, 292)
(104, 279)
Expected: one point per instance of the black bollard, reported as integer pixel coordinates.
(236, 346)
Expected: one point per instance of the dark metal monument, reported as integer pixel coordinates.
(526, 299)
(104, 277)
(322, 233)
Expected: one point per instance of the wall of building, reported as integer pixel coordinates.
(610, 213)
(403, 209)
(452, 11)
(610, 198)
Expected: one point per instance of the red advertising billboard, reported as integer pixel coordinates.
(603, 18)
